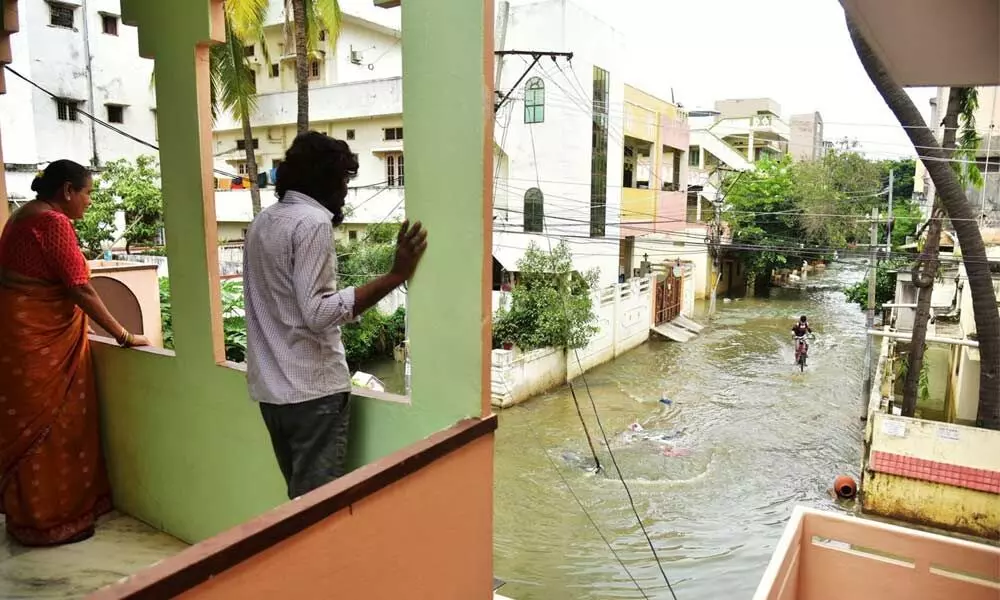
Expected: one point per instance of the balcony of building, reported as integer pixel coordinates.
(825, 556)
(201, 506)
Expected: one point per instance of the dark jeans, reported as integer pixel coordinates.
(310, 440)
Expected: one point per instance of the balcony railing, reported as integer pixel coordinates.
(827, 556)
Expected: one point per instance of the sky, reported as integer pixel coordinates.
(796, 52)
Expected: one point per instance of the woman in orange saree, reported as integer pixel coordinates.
(53, 485)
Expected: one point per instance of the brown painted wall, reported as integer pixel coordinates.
(428, 535)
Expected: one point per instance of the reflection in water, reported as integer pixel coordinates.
(716, 473)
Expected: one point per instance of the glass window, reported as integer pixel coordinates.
(534, 101)
(534, 211)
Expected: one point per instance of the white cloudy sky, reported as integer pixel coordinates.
(794, 51)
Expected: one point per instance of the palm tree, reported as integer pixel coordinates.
(233, 79)
(309, 18)
(953, 200)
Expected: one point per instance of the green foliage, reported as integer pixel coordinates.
(133, 188)
(361, 261)
(968, 141)
(550, 303)
(761, 211)
(166, 314)
(885, 285)
(782, 207)
(375, 335)
(234, 326)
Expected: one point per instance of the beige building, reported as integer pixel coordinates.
(805, 140)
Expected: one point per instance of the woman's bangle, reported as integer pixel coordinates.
(125, 340)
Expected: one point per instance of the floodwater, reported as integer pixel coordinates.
(715, 474)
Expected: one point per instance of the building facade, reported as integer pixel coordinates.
(805, 141)
(75, 57)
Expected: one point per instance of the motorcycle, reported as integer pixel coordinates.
(801, 351)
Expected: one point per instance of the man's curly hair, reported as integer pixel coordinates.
(318, 166)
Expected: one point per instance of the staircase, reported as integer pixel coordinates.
(720, 149)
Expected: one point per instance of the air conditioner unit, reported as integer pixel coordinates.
(355, 56)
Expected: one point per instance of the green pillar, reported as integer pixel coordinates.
(448, 117)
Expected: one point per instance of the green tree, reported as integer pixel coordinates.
(550, 303)
(762, 214)
(952, 197)
(233, 81)
(885, 285)
(130, 188)
(843, 182)
(309, 18)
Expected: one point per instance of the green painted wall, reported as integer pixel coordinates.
(186, 448)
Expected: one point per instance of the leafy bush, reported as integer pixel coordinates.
(550, 303)
(885, 286)
(374, 336)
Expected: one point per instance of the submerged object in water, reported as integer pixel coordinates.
(665, 400)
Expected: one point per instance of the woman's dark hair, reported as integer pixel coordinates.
(803, 319)
(58, 174)
(318, 166)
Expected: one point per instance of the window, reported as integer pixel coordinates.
(394, 169)
(242, 144)
(352, 235)
(66, 109)
(241, 167)
(534, 100)
(109, 23)
(252, 76)
(350, 134)
(275, 70)
(249, 50)
(392, 134)
(314, 69)
(534, 211)
(61, 15)
(275, 163)
(599, 155)
(116, 113)
(694, 156)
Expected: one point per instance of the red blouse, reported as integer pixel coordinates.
(44, 246)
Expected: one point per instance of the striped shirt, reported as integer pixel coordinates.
(293, 309)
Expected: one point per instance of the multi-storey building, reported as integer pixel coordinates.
(74, 57)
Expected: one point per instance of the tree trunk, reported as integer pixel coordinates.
(925, 270)
(923, 279)
(952, 198)
(251, 163)
(301, 65)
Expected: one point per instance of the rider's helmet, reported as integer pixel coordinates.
(802, 319)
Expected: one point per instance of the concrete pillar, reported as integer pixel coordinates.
(750, 143)
(448, 54)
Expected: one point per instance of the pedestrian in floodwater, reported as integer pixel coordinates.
(296, 365)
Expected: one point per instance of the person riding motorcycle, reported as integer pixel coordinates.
(801, 330)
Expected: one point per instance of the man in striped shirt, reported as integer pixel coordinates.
(296, 365)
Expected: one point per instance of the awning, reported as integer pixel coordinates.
(388, 149)
(508, 257)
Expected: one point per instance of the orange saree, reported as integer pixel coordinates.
(53, 485)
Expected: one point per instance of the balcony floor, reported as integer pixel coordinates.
(121, 547)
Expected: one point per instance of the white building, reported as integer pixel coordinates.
(559, 137)
(80, 52)
(355, 95)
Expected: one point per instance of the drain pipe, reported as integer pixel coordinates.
(95, 160)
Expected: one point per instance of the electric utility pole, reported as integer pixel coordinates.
(888, 222)
(716, 250)
(870, 321)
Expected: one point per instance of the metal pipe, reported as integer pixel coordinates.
(930, 339)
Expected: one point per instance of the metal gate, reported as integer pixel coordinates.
(668, 297)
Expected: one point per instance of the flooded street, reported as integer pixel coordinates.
(747, 437)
